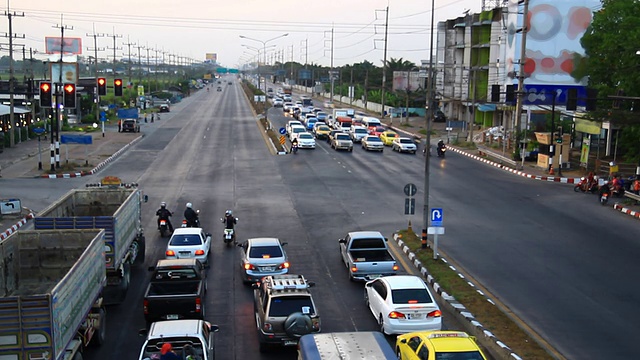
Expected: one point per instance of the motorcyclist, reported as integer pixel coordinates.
(228, 220)
(164, 214)
(294, 144)
(604, 189)
(191, 216)
(440, 146)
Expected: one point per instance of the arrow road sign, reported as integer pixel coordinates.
(10, 206)
(410, 189)
(282, 131)
(436, 216)
(409, 206)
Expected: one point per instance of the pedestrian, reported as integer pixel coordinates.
(145, 118)
(152, 116)
(166, 352)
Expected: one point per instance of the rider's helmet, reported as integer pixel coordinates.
(228, 213)
(163, 204)
(189, 205)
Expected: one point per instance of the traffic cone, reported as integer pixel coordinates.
(551, 171)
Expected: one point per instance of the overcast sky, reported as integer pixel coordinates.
(192, 28)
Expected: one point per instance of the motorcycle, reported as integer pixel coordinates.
(163, 227)
(229, 235)
(586, 186)
(441, 151)
(196, 223)
(294, 149)
(604, 198)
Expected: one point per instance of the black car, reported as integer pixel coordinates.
(164, 108)
(129, 125)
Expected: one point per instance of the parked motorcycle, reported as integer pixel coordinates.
(586, 186)
(604, 198)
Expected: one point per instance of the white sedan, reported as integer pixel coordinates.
(189, 243)
(372, 142)
(403, 144)
(295, 131)
(402, 304)
(306, 141)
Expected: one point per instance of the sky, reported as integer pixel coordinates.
(193, 28)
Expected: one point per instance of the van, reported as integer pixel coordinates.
(343, 123)
(369, 121)
(370, 345)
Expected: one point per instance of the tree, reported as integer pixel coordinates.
(611, 64)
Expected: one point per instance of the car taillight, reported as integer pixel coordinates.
(284, 265)
(435, 313)
(396, 315)
(145, 306)
(198, 305)
(248, 266)
(395, 267)
(315, 324)
(170, 253)
(267, 327)
(199, 252)
(354, 269)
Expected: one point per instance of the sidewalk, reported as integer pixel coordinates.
(21, 160)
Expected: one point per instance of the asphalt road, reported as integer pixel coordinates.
(560, 261)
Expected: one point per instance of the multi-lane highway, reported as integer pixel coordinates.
(560, 261)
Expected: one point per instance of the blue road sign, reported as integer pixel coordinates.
(436, 216)
(282, 131)
(76, 139)
(38, 131)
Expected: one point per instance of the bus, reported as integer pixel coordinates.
(369, 345)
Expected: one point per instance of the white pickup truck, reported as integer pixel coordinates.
(366, 255)
(187, 337)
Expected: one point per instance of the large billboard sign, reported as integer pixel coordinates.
(55, 45)
(67, 72)
(407, 80)
(553, 37)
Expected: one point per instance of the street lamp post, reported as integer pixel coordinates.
(429, 117)
(264, 48)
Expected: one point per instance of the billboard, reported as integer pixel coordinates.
(69, 72)
(213, 57)
(304, 74)
(53, 45)
(555, 29)
(405, 80)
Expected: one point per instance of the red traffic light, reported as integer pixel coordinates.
(102, 81)
(117, 82)
(69, 88)
(46, 87)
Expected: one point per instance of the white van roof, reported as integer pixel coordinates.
(370, 119)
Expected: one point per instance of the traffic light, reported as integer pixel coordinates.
(511, 94)
(117, 86)
(102, 86)
(559, 135)
(495, 93)
(45, 94)
(572, 99)
(69, 100)
(592, 99)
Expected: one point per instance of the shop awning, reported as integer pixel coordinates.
(487, 107)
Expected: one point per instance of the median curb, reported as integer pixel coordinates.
(624, 210)
(563, 180)
(16, 226)
(473, 326)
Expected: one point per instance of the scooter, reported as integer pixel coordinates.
(294, 149)
(604, 198)
(585, 186)
(441, 151)
(229, 235)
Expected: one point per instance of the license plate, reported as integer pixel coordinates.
(267, 268)
(172, 317)
(375, 276)
(184, 252)
(290, 342)
(413, 316)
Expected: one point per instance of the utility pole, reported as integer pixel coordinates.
(384, 60)
(429, 118)
(472, 110)
(58, 102)
(139, 64)
(331, 77)
(148, 67)
(95, 52)
(129, 44)
(11, 36)
(521, 75)
(156, 68)
(114, 36)
(291, 61)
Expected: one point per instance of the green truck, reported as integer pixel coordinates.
(51, 283)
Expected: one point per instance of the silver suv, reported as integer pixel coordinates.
(284, 310)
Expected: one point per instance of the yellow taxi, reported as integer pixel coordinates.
(388, 136)
(321, 130)
(432, 345)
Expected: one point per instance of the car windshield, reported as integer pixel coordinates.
(360, 131)
(265, 252)
(324, 128)
(406, 141)
(287, 305)
(167, 274)
(411, 296)
(299, 130)
(342, 137)
(185, 240)
(373, 139)
(459, 355)
(305, 136)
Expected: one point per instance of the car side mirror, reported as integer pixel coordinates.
(404, 341)
(255, 285)
(143, 332)
(311, 284)
(342, 241)
(145, 198)
(151, 268)
(284, 243)
(367, 285)
(207, 234)
(386, 239)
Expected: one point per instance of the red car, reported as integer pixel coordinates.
(376, 130)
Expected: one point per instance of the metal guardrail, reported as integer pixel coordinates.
(631, 195)
(483, 151)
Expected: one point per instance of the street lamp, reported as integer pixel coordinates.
(264, 48)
